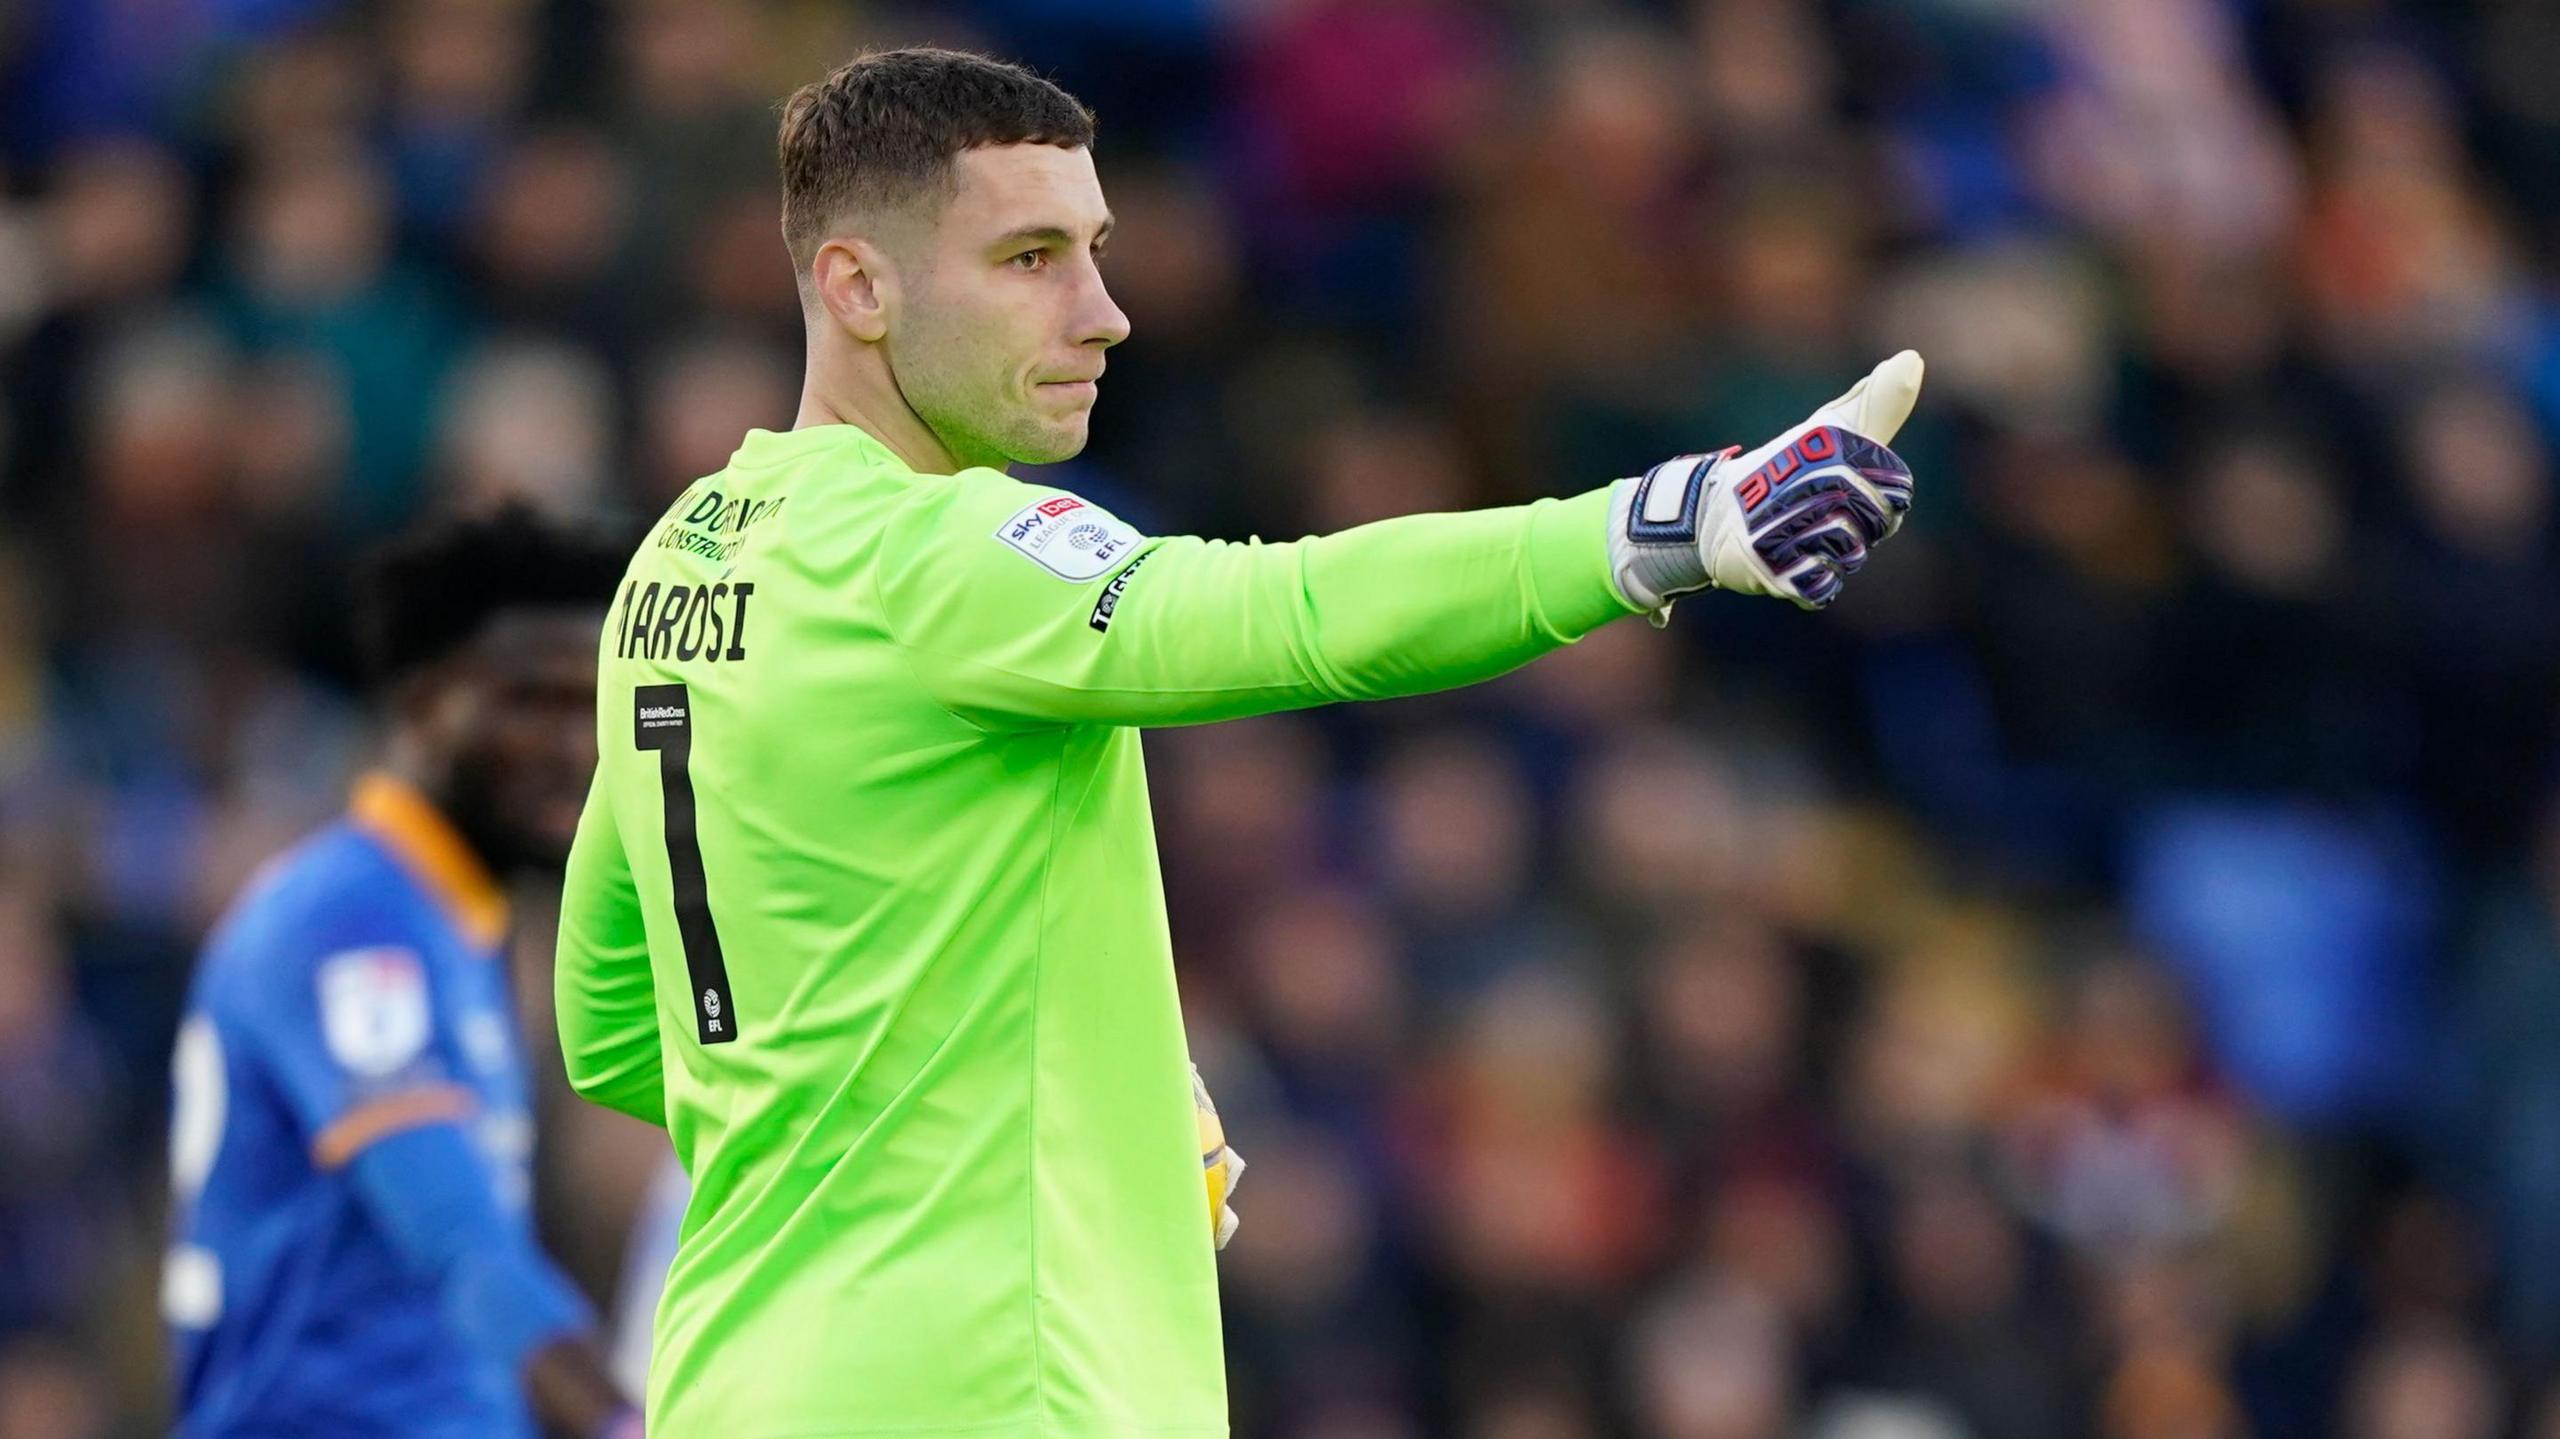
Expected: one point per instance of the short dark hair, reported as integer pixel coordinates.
(422, 598)
(883, 129)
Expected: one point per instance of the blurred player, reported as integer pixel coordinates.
(353, 1253)
(864, 906)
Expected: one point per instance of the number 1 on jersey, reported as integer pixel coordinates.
(662, 719)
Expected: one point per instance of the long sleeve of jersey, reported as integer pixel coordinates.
(398, 1128)
(427, 1189)
(1013, 630)
(601, 986)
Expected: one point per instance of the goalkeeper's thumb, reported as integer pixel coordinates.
(1877, 405)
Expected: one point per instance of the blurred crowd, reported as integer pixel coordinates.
(2100, 980)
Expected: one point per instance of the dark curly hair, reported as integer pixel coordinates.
(884, 128)
(430, 594)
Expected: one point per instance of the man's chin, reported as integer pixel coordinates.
(530, 845)
(1049, 448)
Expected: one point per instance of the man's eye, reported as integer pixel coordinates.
(1029, 260)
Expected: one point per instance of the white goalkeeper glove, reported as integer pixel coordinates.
(1219, 1162)
(1791, 518)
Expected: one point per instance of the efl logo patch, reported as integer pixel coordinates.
(1069, 538)
(374, 1010)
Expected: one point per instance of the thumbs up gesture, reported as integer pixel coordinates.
(1793, 518)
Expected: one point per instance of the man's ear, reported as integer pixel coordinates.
(851, 284)
(438, 703)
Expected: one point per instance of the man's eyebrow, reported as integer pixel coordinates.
(1051, 234)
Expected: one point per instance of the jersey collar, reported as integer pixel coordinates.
(426, 844)
(769, 447)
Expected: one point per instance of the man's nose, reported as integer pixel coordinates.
(572, 745)
(1101, 321)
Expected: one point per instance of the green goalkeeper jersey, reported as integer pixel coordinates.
(864, 908)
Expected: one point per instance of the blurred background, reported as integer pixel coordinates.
(2101, 980)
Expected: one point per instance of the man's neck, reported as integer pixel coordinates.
(405, 758)
(419, 824)
(891, 423)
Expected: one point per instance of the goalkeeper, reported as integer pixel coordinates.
(864, 906)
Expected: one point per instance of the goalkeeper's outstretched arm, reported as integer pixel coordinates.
(1183, 630)
(1021, 607)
